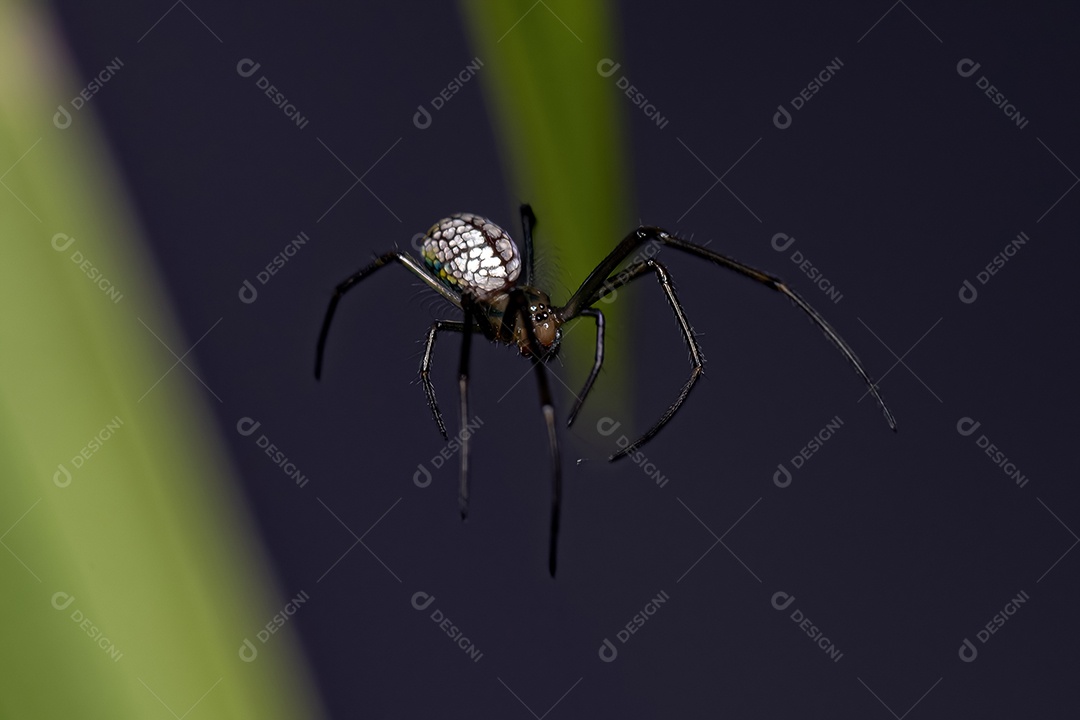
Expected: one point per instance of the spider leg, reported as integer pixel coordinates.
(425, 367)
(528, 224)
(517, 306)
(633, 272)
(598, 316)
(548, 409)
(350, 282)
(467, 303)
(598, 284)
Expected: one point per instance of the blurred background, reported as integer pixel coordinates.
(194, 526)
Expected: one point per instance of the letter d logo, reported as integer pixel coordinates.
(248, 294)
(248, 651)
(61, 600)
(246, 68)
(968, 293)
(62, 477)
(64, 242)
(62, 118)
(421, 472)
(782, 476)
(967, 68)
(606, 426)
(421, 600)
(782, 600)
(782, 118)
(246, 426)
(785, 243)
(966, 426)
(422, 118)
(607, 67)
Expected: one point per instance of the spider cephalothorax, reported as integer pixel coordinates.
(475, 265)
(511, 326)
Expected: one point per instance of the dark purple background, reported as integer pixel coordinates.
(899, 180)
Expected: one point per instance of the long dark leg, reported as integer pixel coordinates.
(598, 316)
(425, 367)
(593, 289)
(463, 389)
(518, 307)
(632, 272)
(528, 224)
(351, 281)
(548, 410)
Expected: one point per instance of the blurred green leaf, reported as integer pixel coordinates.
(561, 137)
(130, 569)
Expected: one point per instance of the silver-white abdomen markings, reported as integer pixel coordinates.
(469, 252)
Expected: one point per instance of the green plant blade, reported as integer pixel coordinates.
(131, 576)
(561, 138)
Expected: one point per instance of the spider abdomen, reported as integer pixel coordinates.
(470, 253)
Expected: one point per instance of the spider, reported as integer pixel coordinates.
(475, 265)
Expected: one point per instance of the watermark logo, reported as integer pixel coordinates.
(968, 67)
(62, 601)
(248, 292)
(422, 601)
(247, 426)
(782, 476)
(782, 601)
(610, 290)
(422, 476)
(608, 651)
(968, 652)
(781, 242)
(422, 119)
(61, 242)
(782, 118)
(607, 426)
(248, 650)
(968, 292)
(248, 67)
(63, 119)
(62, 477)
(608, 67)
(967, 426)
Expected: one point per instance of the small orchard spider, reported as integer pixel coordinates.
(474, 264)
